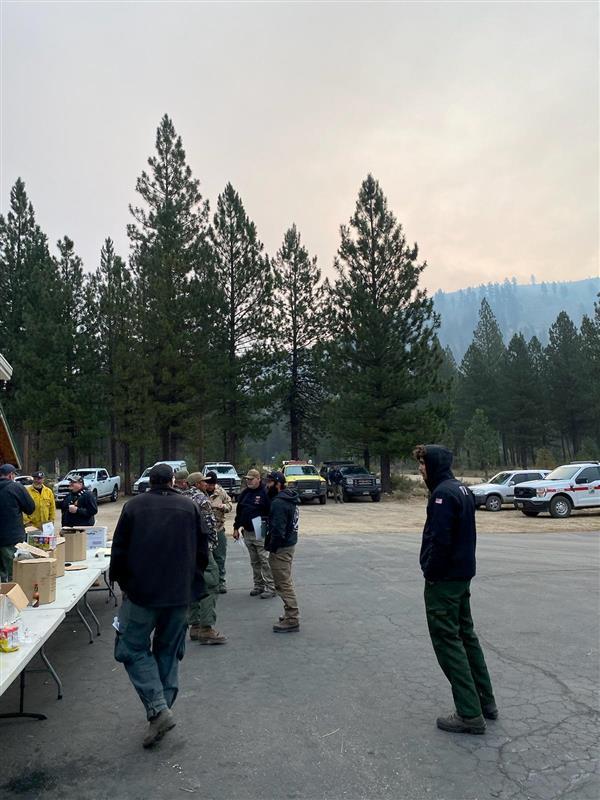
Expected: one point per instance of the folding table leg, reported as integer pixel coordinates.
(20, 712)
(110, 590)
(52, 672)
(85, 622)
(94, 617)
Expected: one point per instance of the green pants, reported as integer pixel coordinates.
(7, 554)
(456, 645)
(220, 553)
(203, 612)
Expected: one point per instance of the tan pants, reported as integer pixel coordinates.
(259, 561)
(281, 567)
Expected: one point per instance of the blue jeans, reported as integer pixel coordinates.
(152, 665)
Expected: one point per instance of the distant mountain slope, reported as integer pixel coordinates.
(529, 309)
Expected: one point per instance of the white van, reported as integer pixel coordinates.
(143, 482)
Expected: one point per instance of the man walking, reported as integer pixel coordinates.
(159, 551)
(281, 543)
(252, 509)
(336, 479)
(14, 502)
(448, 563)
(79, 506)
(221, 504)
(203, 613)
(43, 497)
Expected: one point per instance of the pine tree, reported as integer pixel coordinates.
(590, 340)
(481, 442)
(566, 379)
(245, 277)
(385, 362)
(169, 247)
(522, 401)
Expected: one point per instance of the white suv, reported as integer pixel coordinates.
(501, 488)
(572, 486)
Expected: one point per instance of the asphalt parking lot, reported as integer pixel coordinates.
(345, 708)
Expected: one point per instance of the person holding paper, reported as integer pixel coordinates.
(79, 506)
(251, 514)
(43, 497)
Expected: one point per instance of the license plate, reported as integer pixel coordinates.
(365, 492)
(308, 491)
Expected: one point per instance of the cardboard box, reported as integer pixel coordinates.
(75, 544)
(59, 554)
(40, 572)
(12, 601)
(96, 537)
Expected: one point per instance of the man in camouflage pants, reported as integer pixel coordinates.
(221, 504)
(203, 614)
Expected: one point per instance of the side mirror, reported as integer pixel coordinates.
(581, 480)
(511, 483)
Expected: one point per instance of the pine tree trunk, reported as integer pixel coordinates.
(114, 467)
(126, 468)
(386, 475)
(71, 454)
(164, 443)
(142, 458)
(367, 458)
(201, 448)
(26, 452)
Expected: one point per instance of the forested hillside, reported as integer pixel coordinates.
(529, 310)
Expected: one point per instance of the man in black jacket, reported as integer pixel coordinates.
(15, 501)
(448, 563)
(79, 506)
(252, 509)
(281, 543)
(159, 552)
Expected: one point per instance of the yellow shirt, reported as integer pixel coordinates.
(45, 508)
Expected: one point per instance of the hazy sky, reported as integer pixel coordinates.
(480, 120)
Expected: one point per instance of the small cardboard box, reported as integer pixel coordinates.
(40, 572)
(12, 600)
(96, 537)
(59, 554)
(75, 544)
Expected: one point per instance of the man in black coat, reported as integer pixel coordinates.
(79, 506)
(251, 513)
(159, 552)
(281, 544)
(15, 501)
(448, 563)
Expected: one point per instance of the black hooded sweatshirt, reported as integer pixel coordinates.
(15, 501)
(283, 521)
(448, 545)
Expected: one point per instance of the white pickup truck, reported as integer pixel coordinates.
(96, 479)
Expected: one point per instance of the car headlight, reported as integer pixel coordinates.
(348, 480)
(541, 492)
(478, 491)
(378, 481)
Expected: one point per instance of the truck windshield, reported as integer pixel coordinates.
(85, 473)
(221, 470)
(301, 470)
(353, 471)
(562, 473)
(501, 477)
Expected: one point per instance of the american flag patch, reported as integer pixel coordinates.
(439, 500)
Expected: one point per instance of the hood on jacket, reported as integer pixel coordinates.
(4, 482)
(289, 495)
(438, 461)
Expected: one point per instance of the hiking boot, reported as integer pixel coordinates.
(490, 710)
(266, 594)
(195, 631)
(457, 724)
(222, 588)
(209, 635)
(286, 626)
(256, 592)
(158, 726)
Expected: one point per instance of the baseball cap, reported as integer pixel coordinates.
(211, 477)
(75, 479)
(252, 473)
(7, 469)
(181, 475)
(195, 478)
(161, 473)
(38, 475)
(276, 476)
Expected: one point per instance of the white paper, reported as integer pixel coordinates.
(48, 529)
(257, 525)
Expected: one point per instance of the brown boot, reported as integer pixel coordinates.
(286, 626)
(195, 631)
(209, 635)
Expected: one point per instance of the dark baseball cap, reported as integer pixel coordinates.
(278, 477)
(211, 477)
(38, 475)
(161, 473)
(7, 469)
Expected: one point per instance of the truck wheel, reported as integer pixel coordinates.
(376, 497)
(493, 502)
(530, 513)
(323, 499)
(115, 495)
(345, 497)
(560, 507)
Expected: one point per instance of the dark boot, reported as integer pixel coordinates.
(457, 724)
(490, 711)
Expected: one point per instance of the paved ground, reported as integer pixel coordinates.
(346, 708)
